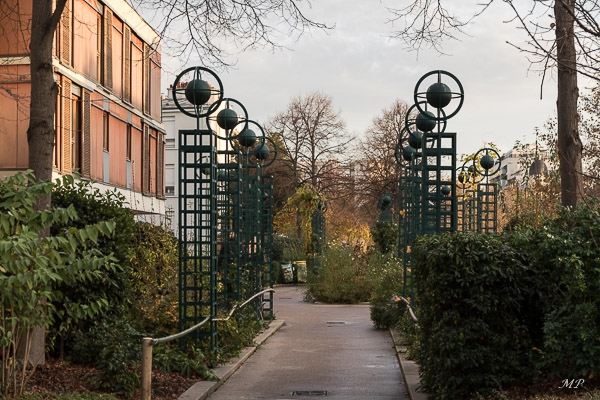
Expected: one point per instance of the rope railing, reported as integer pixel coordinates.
(147, 343)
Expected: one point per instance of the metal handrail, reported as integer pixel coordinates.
(147, 343)
(180, 334)
(236, 307)
(410, 310)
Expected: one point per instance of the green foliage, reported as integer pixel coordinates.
(236, 334)
(33, 266)
(341, 276)
(154, 286)
(386, 279)
(385, 236)
(297, 214)
(171, 359)
(94, 206)
(494, 309)
(469, 299)
(567, 256)
(114, 348)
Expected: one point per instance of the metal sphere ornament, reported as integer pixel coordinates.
(227, 119)
(415, 139)
(247, 137)
(264, 152)
(439, 95)
(487, 165)
(486, 162)
(425, 121)
(408, 153)
(446, 190)
(261, 151)
(198, 92)
(441, 92)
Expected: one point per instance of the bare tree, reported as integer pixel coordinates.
(314, 140)
(378, 169)
(572, 49)
(213, 30)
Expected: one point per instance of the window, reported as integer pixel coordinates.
(170, 143)
(105, 132)
(128, 144)
(99, 44)
(76, 130)
(170, 179)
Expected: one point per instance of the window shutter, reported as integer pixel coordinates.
(65, 35)
(66, 125)
(127, 64)
(146, 83)
(87, 126)
(160, 165)
(108, 26)
(146, 161)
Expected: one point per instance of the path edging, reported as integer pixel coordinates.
(201, 390)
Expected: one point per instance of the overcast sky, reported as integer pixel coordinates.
(364, 72)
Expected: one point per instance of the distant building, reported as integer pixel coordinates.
(174, 121)
(107, 64)
(529, 159)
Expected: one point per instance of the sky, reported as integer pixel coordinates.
(364, 72)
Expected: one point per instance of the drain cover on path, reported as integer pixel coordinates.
(336, 323)
(309, 393)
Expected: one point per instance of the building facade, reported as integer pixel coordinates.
(528, 159)
(107, 65)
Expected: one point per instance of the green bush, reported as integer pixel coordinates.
(114, 348)
(34, 266)
(386, 278)
(93, 206)
(341, 277)
(385, 236)
(154, 285)
(566, 255)
(499, 308)
(170, 359)
(469, 296)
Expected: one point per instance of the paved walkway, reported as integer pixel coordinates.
(320, 350)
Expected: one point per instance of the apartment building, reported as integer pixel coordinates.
(174, 121)
(107, 64)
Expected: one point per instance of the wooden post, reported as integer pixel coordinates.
(146, 368)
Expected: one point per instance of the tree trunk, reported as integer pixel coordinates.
(41, 134)
(569, 142)
(44, 92)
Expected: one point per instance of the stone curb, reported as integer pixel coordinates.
(201, 390)
(410, 370)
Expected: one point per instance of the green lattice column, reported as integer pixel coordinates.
(195, 91)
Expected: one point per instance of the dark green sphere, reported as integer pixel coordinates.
(227, 119)
(247, 137)
(425, 121)
(415, 139)
(261, 151)
(439, 95)
(446, 190)
(408, 153)
(486, 162)
(198, 92)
